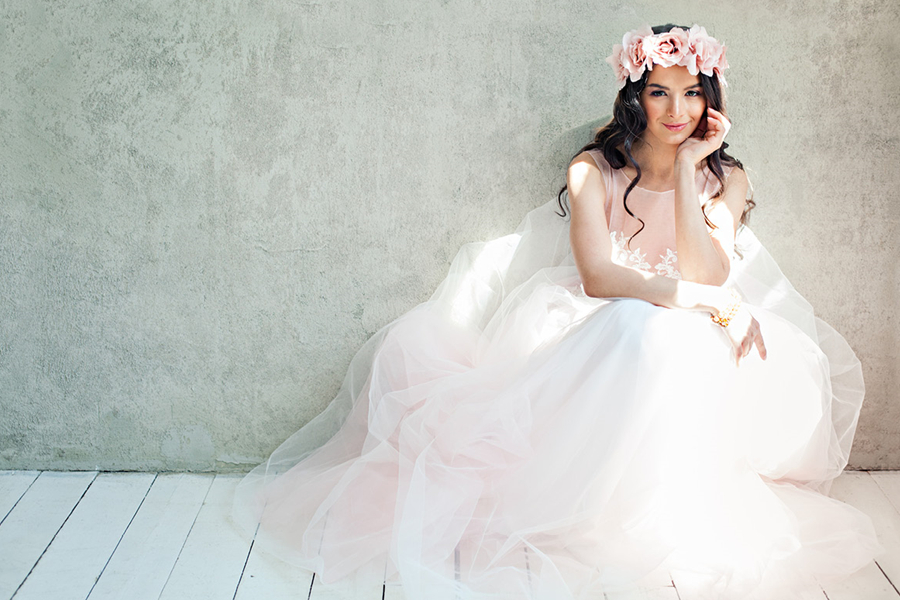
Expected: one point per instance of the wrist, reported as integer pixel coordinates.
(724, 316)
(700, 296)
(721, 299)
(685, 165)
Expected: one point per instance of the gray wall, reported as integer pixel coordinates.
(206, 207)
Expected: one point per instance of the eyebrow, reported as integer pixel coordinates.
(698, 84)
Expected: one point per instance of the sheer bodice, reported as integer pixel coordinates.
(654, 248)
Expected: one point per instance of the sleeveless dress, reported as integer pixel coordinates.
(514, 438)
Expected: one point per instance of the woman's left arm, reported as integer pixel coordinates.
(704, 256)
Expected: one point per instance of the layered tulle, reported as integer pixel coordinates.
(512, 437)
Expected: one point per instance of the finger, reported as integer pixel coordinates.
(717, 114)
(715, 128)
(718, 118)
(760, 347)
(717, 136)
(713, 132)
(721, 126)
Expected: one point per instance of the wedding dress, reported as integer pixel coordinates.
(514, 438)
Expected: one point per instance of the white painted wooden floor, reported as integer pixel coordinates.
(134, 536)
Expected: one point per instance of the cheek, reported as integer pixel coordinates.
(698, 107)
(651, 109)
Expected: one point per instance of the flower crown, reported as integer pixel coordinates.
(641, 49)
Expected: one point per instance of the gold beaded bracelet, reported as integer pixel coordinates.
(723, 317)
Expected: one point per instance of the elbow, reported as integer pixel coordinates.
(716, 278)
(594, 287)
(721, 275)
(591, 290)
(609, 280)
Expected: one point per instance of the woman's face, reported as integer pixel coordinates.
(672, 96)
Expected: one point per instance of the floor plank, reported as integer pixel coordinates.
(36, 519)
(658, 579)
(79, 552)
(869, 583)
(690, 587)
(660, 593)
(367, 582)
(860, 489)
(268, 577)
(393, 592)
(889, 482)
(13, 485)
(147, 553)
(214, 554)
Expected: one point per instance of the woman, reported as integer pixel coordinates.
(680, 128)
(577, 409)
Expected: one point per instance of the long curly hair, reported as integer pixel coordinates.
(628, 123)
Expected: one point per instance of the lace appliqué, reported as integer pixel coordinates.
(628, 257)
(667, 266)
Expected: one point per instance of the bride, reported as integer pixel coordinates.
(600, 401)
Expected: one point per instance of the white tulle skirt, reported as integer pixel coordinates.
(514, 438)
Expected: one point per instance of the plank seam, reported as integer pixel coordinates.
(528, 571)
(124, 531)
(66, 520)
(672, 580)
(885, 492)
(244, 567)
(180, 550)
(886, 577)
(13, 507)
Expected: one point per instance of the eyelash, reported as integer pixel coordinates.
(694, 92)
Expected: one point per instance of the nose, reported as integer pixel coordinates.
(676, 106)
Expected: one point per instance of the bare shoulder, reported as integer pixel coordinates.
(584, 160)
(737, 177)
(584, 175)
(736, 185)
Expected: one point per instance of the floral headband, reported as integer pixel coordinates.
(641, 49)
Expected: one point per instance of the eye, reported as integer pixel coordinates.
(693, 93)
(657, 93)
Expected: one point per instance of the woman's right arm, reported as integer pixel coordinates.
(602, 278)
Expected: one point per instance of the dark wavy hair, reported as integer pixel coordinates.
(628, 123)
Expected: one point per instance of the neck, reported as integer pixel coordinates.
(657, 163)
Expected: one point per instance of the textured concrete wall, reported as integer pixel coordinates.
(206, 207)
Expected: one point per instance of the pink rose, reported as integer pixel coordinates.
(720, 66)
(615, 61)
(634, 56)
(629, 59)
(668, 49)
(704, 52)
